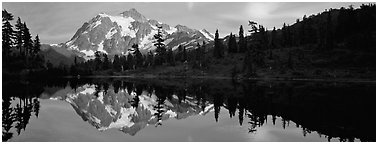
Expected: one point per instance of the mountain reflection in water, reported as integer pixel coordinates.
(345, 111)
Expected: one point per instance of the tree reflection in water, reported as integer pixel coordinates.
(342, 111)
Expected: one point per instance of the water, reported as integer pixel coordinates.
(116, 109)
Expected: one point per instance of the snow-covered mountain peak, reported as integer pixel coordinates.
(115, 34)
(133, 13)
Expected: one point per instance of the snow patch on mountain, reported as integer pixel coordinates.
(101, 47)
(94, 25)
(89, 54)
(111, 32)
(171, 30)
(124, 23)
(74, 47)
(56, 45)
(206, 35)
(148, 39)
(153, 27)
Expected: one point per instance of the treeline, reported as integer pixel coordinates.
(21, 53)
(336, 38)
(342, 37)
(135, 60)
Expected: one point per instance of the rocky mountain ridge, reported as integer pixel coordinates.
(114, 35)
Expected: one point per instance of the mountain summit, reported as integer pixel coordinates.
(116, 34)
(133, 13)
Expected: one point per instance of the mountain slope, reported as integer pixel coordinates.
(58, 54)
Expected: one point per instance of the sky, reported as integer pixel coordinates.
(57, 22)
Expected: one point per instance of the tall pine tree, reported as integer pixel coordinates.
(36, 47)
(7, 34)
(138, 56)
(242, 42)
(19, 35)
(160, 47)
(218, 49)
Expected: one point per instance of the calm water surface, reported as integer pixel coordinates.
(187, 110)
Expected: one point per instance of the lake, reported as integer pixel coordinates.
(185, 110)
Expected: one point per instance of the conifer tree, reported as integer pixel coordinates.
(230, 46)
(19, 35)
(7, 35)
(106, 62)
(218, 49)
(179, 53)
(123, 61)
(116, 63)
(27, 44)
(138, 56)
(98, 61)
(37, 47)
(170, 57)
(150, 58)
(184, 55)
(242, 42)
(160, 47)
(130, 61)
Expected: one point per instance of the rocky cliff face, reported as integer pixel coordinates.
(116, 34)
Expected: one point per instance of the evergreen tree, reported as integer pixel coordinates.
(150, 58)
(230, 46)
(284, 36)
(179, 53)
(241, 43)
(233, 46)
(170, 57)
(123, 61)
(19, 35)
(116, 63)
(274, 39)
(37, 47)
(218, 49)
(130, 62)
(255, 54)
(197, 57)
(28, 43)
(98, 61)
(160, 47)
(184, 54)
(7, 35)
(138, 56)
(106, 64)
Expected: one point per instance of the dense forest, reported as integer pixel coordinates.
(20, 52)
(336, 43)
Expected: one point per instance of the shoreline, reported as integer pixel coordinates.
(352, 80)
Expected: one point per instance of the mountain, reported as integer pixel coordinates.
(116, 34)
(57, 54)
